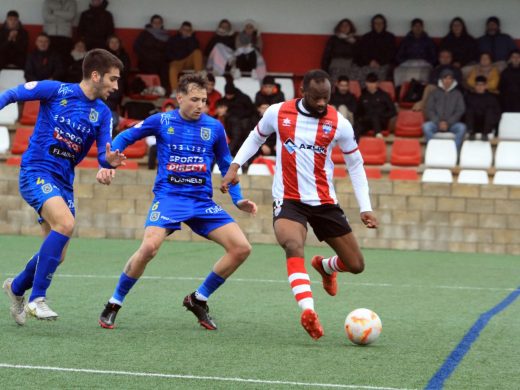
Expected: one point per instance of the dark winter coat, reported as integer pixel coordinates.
(412, 48)
(376, 46)
(464, 48)
(95, 25)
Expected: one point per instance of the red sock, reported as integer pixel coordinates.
(300, 282)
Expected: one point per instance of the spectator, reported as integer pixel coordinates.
(463, 46)
(485, 68)
(74, 73)
(415, 56)
(445, 62)
(375, 108)
(13, 42)
(221, 112)
(220, 50)
(269, 147)
(167, 106)
(115, 99)
(444, 109)
(58, 16)
(509, 85)
(248, 57)
(344, 101)
(96, 24)
(500, 45)
(42, 63)
(340, 50)
(482, 110)
(376, 50)
(269, 92)
(240, 109)
(213, 95)
(182, 52)
(150, 48)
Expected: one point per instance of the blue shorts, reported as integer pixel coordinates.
(202, 216)
(37, 187)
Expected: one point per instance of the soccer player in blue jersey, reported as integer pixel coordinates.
(71, 118)
(188, 142)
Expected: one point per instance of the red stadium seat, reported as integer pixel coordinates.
(406, 152)
(93, 151)
(21, 139)
(388, 87)
(30, 112)
(373, 173)
(14, 161)
(404, 88)
(337, 156)
(150, 80)
(340, 170)
(89, 163)
(409, 124)
(266, 161)
(373, 150)
(403, 174)
(354, 88)
(136, 150)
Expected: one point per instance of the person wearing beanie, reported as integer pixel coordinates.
(444, 109)
(497, 43)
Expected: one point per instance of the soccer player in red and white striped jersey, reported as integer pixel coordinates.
(307, 130)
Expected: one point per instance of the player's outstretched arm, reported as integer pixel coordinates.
(105, 176)
(369, 219)
(247, 206)
(115, 158)
(230, 178)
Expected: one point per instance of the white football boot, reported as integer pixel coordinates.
(17, 303)
(40, 310)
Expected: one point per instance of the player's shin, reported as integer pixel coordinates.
(24, 280)
(124, 285)
(212, 282)
(300, 282)
(48, 260)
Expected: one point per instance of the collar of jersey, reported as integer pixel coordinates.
(301, 109)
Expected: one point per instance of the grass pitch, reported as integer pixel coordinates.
(427, 302)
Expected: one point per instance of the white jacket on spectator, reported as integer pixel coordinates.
(58, 16)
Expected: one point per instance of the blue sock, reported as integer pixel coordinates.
(123, 287)
(24, 280)
(48, 261)
(208, 287)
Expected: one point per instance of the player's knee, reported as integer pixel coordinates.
(293, 248)
(241, 251)
(149, 250)
(65, 227)
(357, 266)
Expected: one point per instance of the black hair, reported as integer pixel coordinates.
(461, 21)
(417, 20)
(378, 16)
(343, 78)
(372, 78)
(210, 77)
(317, 75)
(13, 13)
(338, 25)
(187, 24)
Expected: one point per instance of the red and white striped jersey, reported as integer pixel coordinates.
(304, 167)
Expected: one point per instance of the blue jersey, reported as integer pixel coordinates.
(185, 153)
(67, 126)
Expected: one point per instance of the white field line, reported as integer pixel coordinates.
(246, 280)
(193, 377)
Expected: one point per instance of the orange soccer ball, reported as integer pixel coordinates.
(363, 326)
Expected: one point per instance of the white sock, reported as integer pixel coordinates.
(113, 300)
(200, 297)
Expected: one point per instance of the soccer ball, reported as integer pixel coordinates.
(363, 326)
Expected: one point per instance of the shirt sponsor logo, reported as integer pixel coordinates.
(30, 85)
(205, 133)
(165, 119)
(73, 124)
(71, 140)
(291, 147)
(57, 151)
(93, 116)
(186, 167)
(192, 181)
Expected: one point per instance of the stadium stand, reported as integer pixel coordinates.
(409, 124)
(432, 175)
(509, 126)
(440, 153)
(507, 155)
(4, 140)
(403, 174)
(473, 176)
(476, 155)
(10, 78)
(508, 178)
(406, 152)
(373, 150)
(30, 112)
(21, 140)
(9, 114)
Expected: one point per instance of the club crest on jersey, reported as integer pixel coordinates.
(94, 115)
(47, 188)
(205, 133)
(155, 216)
(327, 127)
(286, 122)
